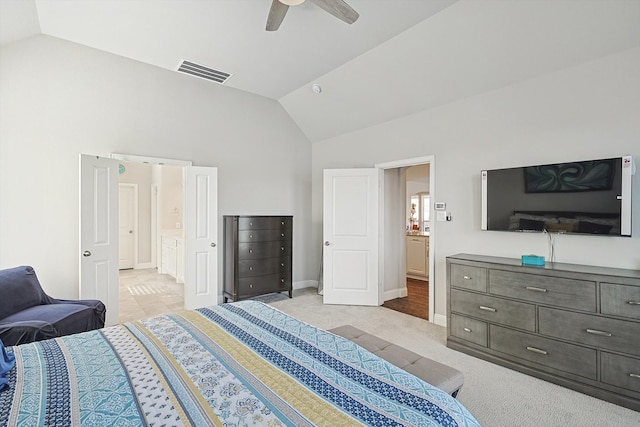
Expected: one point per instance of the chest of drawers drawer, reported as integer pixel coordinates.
(620, 300)
(469, 277)
(263, 250)
(471, 330)
(497, 310)
(249, 286)
(620, 371)
(262, 235)
(260, 267)
(601, 332)
(263, 223)
(558, 291)
(543, 351)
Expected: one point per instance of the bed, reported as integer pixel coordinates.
(243, 363)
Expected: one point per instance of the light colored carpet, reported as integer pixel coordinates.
(496, 396)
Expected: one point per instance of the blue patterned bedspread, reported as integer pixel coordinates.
(238, 364)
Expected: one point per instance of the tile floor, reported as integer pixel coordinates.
(145, 293)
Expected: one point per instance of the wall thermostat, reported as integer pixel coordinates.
(440, 206)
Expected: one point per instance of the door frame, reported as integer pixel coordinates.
(432, 225)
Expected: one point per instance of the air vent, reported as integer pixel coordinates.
(203, 72)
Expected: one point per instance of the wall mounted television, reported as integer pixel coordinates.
(590, 197)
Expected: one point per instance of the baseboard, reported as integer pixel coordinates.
(395, 293)
(305, 284)
(440, 319)
(144, 265)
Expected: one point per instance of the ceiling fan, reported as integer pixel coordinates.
(337, 8)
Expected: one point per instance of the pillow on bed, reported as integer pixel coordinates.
(560, 227)
(593, 228)
(530, 224)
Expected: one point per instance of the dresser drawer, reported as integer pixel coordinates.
(262, 235)
(261, 267)
(497, 310)
(470, 330)
(264, 284)
(601, 332)
(558, 291)
(620, 371)
(551, 353)
(468, 277)
(263, 250)
(620, 300)
(264, 223)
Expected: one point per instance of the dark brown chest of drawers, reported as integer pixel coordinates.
(257, 255)
(574, 325)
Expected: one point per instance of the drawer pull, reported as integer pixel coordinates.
(250, 251)
(633, 302)
(597, 332)
(491, 309)
(282, 248)
(251, 236)
(467, 330)
(281, 234)
(466, 277)
(634, 375)
(533, 288)
(536, 350)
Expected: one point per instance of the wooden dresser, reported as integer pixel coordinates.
(573, 325)
(257, 256)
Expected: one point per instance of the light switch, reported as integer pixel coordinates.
(441, 216)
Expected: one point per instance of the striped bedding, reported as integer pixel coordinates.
(237, 364)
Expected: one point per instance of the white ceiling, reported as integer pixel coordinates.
(227, 35)
(400, 57)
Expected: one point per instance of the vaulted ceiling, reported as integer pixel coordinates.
(398, 58)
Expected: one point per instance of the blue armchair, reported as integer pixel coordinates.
(28, 314)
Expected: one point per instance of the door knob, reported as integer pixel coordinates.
(213, 245)
(86, 253)
(327, 243)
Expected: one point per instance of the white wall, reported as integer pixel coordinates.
(588, 111)
(59, 99)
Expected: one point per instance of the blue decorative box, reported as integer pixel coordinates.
(532, 260)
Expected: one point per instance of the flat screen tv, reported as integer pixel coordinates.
(584, 197)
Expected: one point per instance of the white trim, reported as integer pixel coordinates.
(305, 284)
(155, 232)
(143, 266)
(150, 160)
(395, 293)
(440, 320)
(432, 234)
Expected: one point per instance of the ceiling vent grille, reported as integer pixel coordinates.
(203, 72)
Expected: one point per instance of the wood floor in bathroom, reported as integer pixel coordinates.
(416, 303)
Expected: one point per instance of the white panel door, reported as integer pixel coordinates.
(350, 236)
(127, 225)
(99, 232)
(201, 237)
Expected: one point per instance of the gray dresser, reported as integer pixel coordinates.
(257, 255)
(574, 325)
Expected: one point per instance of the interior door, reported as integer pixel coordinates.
(126, 225)
(350, 236)
(201, 236)
(99, 232)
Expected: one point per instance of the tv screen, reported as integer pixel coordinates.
(584, 197)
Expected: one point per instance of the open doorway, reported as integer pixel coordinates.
(151, 239)
(417, 213)
(408, 236)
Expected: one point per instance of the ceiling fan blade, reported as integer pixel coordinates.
(339, 9)
(276, 15)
